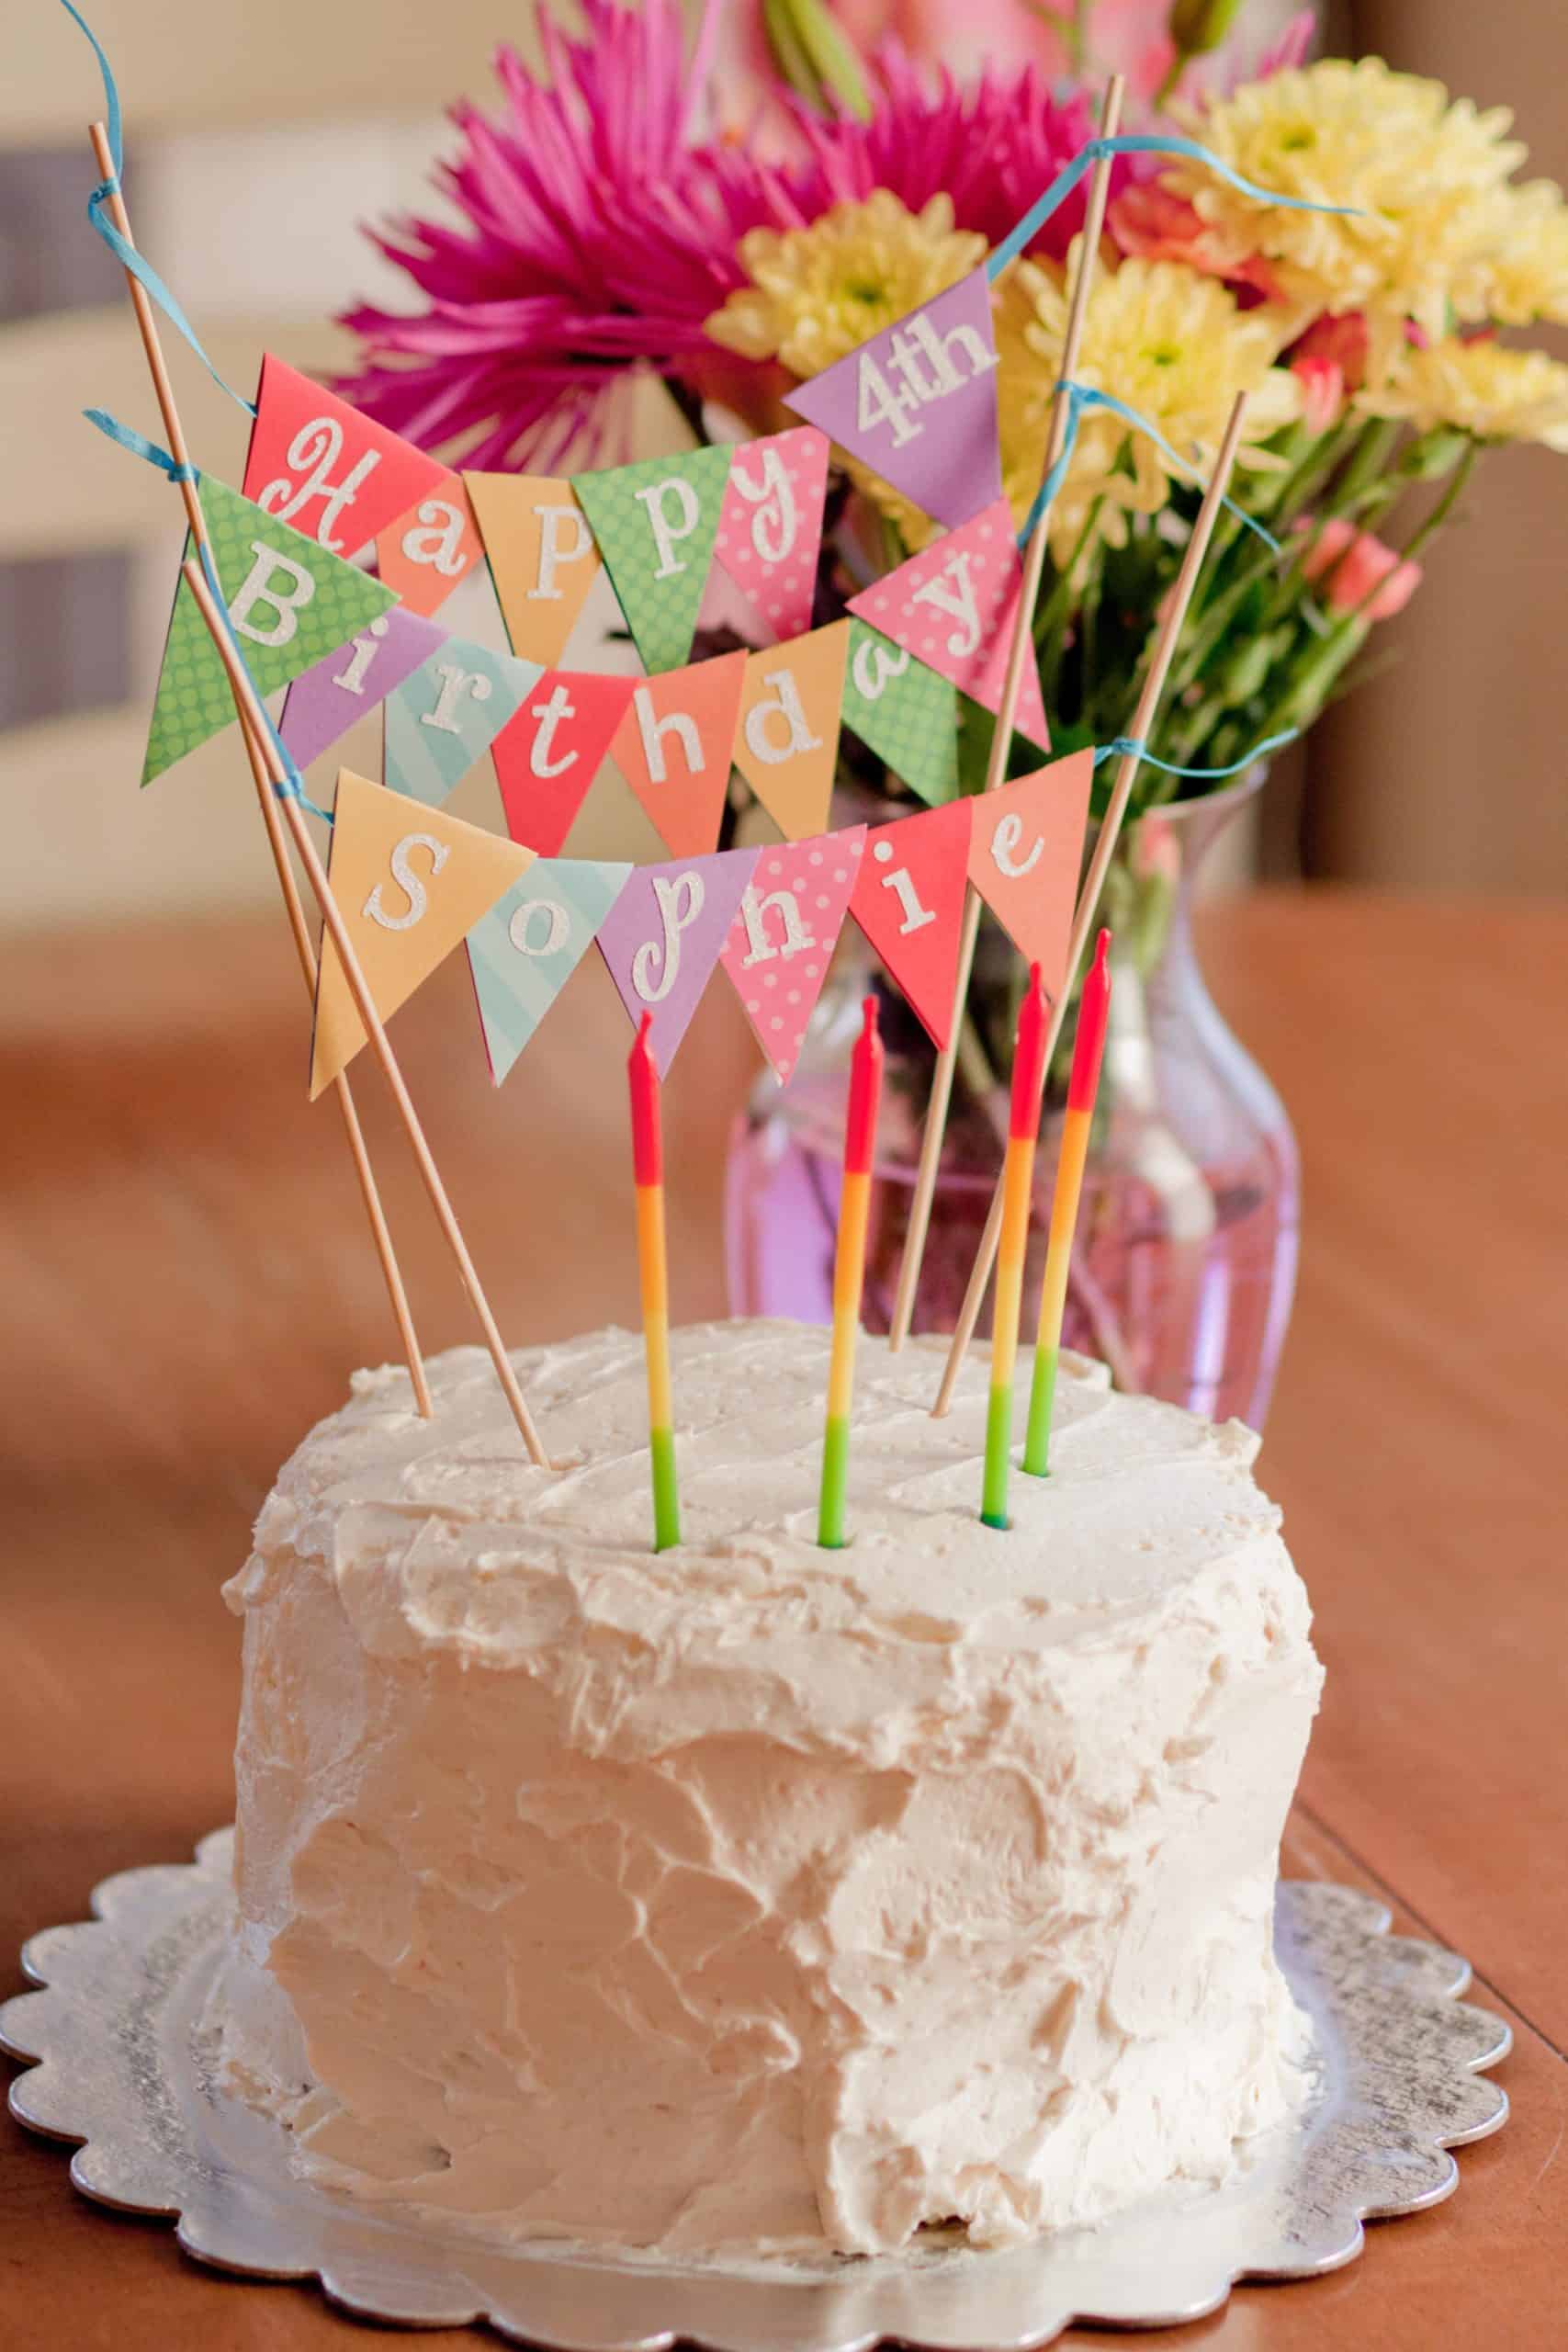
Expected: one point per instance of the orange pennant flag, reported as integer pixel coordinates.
(1025, 857)
(424, 555)
(787, 746)
(674, 745)
(410, 883)
(543, 558)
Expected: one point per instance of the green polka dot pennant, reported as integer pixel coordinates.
(655, 524)
(903, 712)
(291, 602)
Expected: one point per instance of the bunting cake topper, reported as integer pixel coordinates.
(443, 719)
(543, 557)
(429, 551)
(339, 476)
(770, 526)
(655, 523)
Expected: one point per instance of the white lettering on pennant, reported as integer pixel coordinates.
(557, 927)
(408, 882)
(958, 603)
(556, 548)
(258, 588)
(454, 684)
(951, 362)
(783, 702)
(1004, 848)
(653, 729)
(902, 883)
(940, 349)
(877, 403)
(440, 541)
(759, 948)
(314, 451)
(875, 665)
(776, 522)
(366, 648)
(550, 715)
(669, 531)
(657, 961)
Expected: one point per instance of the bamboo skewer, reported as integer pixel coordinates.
(1094, 880)
(365, 1005)
(358, 1151)
(1001, 742)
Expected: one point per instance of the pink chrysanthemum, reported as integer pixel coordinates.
(599, 235)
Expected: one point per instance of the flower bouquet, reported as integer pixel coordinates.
(736, 217)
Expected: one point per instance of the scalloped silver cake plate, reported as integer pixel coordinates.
(121, 2064)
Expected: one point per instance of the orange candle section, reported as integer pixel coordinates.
(1018, 1182)
(848, 1274)
(1089, 1049)
(648, 1169)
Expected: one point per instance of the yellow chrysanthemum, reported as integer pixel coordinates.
(1481, 387)
(1170, 344)
(818, 292)
(1527, 277)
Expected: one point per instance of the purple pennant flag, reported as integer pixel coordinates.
(324, 702)
(918, 404)
(665, 933)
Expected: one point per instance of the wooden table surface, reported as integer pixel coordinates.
(187, 1288)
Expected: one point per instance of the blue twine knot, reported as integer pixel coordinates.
(1123, 747)
(1080, 397)
(291, 784)
(126, 437)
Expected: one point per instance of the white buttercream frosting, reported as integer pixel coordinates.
(750, 1894)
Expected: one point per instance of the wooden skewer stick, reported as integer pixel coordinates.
(365, 1005)
(1001, 742)
(147, 322)
(1094, 880)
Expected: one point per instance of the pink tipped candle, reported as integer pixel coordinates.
(1089, 1049)
(1018, 1183)
(849, 1274)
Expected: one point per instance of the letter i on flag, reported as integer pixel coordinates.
(655, 523)
(781, 942)
(908, 900)
(445, 718)
(523, 952)
(543, 558)
(315, 462)
(289, 602)
(325, 700)
(664, 934)
(786, 745)
(770, 528)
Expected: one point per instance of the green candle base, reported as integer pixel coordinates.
(1042, 1397)
(999, 1458)
(666, 1500)
(835, 1479)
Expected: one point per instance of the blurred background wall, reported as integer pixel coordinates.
(261, 139)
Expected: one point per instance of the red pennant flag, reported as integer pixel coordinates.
(547, 755)
(1025, 856)
(673, 747)
(317, 463)
(908, 900)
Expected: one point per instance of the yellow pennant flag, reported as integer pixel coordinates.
(410, 883)
(786, 742)
(543, 558)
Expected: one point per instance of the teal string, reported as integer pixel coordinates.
(1131, 747)
(126, 437)
(1082, 396)
(125, 252)
(1131, 143)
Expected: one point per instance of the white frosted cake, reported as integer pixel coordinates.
(750, 1895)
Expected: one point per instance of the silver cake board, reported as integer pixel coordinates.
(117, 2061)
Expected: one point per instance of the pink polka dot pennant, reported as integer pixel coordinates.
(781, 941)
(770, 529)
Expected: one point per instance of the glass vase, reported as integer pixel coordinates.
(1184, 1263)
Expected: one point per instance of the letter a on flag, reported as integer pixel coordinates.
(665, 933)
(786, 743)
(955, 604)
(315, 462)
(523, 952)
(905, 713)
(908, 900)
(425, 554)
(548, 754)
(289, 603)
(1025, 856)
(674, 747)
(917, 403)
(445, 718)
(655, 523)
(781, 942)
(543, 558)
(410, 883)
(770, 529)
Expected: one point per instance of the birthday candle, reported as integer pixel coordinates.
(1089, 1045)
(848, 1274)
(647, 1167)
(1018, 1180)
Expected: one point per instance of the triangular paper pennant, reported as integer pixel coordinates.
(1025, 856)
(665, 933)
(655, 522)
(410, 884)
(547, 755)
(315, 462)
(770, 527)
(786, 738)
(781, 942)
(523, 952)
(427, 551)
(543, 558)
(446, 717)
(917, 403)
(674, 748)
(905, 713)
(955, 604)
(324, 702)
(908, 900)
(289, 603)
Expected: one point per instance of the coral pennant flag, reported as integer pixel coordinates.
(786, 743)
(908, 900)
(549, 753)
(426, 552)
(315, 462)
(770, 526)
(446, 717)
(664, 934)
(655, 523)
(523, 952)
(905, 713)
(954, 606)
(410, 884)
(288, 602)
(324, 702)
(781, 942)
(917, 403)
(1025, 856)
(543, 558)
(674, 746)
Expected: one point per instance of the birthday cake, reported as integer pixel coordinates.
(753, 1896)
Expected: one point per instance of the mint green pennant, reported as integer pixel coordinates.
(905, 713)
(655, 522)
(523, 952)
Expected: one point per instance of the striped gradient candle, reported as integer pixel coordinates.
(848, 1274)
(1018, 1183)
(647, 1167)
(1089, 1045)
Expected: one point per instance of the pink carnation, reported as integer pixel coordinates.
(1359, 572)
